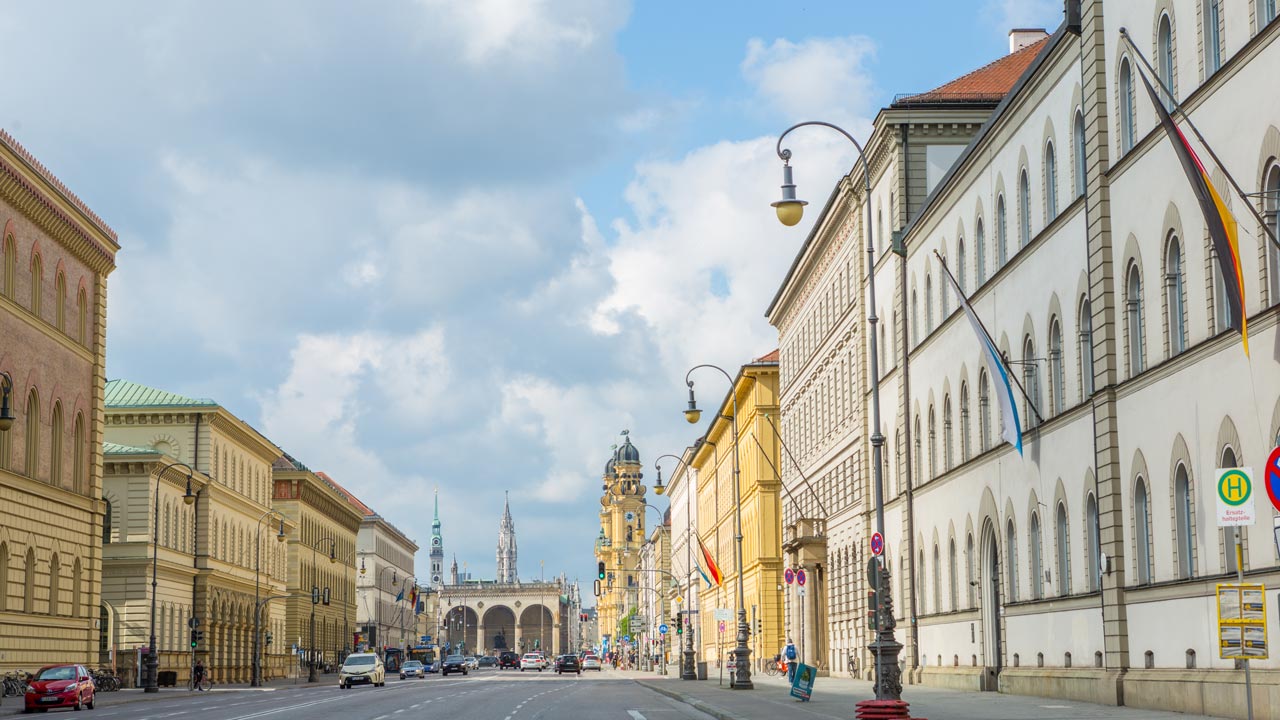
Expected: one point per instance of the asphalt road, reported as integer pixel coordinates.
(481, 695)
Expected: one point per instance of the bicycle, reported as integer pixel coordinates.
(204, 685)
(15, 684)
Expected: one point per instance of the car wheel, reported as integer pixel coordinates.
(92, 701)
(79, 704)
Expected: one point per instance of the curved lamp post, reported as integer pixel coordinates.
(153, 656)
(313, 672)
(741, 653)
(256, 680)
(789, 209)
(687, 657)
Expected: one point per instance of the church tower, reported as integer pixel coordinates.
(437, 549)
(622, 533)
(453, 571)
(507, 546)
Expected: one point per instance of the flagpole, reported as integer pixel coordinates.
(1177, 107)
(1003, 360)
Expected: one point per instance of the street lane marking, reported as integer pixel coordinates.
(635, 715)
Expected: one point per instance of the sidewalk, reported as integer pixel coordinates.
(14, 705)
(835, 698)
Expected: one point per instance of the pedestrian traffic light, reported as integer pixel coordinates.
(600, 570)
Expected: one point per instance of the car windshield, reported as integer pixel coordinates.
(413, 664)
(454, 658)
(359, 661)
(57, 673)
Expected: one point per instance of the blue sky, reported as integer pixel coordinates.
(429, 244)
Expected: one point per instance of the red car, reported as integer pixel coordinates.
(60, 686)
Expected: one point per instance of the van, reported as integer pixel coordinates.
(362, 669)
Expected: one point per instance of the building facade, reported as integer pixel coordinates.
(618, 545)
(216, 557)
(680, 492)
(57, 255)
(385, 562)
(320, 612)
(656, 594)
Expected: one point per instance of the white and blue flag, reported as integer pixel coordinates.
(1011, 429)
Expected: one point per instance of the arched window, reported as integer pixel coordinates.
(76, 580)
(1164, 58)
(984, 412)
(10, 268)
(1271, 213)
(32, 459)
(1212, 17)
(1030, 381)
(79, 463)
(55, 446)
(1002, 238)
(60, 312)
(1037, 573)
(55, 586)
(915, 320)
(921, 586)
(1229, 461)
(1092, 550)
(1063, 533)
(1050, 182)
(1266, 12)
(37, 284)
(1174, 294)
(951, 575)
(1126, 107)
(29, 582)
(937, 580)
(934, 470)
(1142, 531)
(106, 522)
(880, 227)
(946, 433)
(1086, 349)
(1221, 305)
(961, 269)
(1081, 156)
(965, 429)
(919, 445)
(82, 318)
(1024, 208)
(980, 252)
(1057, 377)
(1011, 560)
(928, 304)
(1183, 523)
(968, 571)
(4, 577)
(1133, 310)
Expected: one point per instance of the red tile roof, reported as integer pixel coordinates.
(364, 509)
(769, 357)
(988, 84)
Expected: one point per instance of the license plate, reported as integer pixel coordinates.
(50, 698)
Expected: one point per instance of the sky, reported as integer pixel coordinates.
(429, 245)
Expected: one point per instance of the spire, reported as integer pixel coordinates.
(506, 544)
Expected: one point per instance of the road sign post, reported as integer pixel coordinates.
(877, 544)
(1235, 508)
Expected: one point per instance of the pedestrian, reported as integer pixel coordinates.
(198, 671)
(789, 652)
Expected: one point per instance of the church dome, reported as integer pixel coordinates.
(608, 469)
(628, 453)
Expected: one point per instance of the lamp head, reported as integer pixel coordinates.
(280, 535)
(659, 488)
(692, 413)
(189, 497)
(362, 568)
(6, 412)
(333, 558)
(789, 209)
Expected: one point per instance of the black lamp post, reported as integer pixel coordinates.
(153, 656)
(741, 653)
(313, 671)
(790, 210)
(256, 680)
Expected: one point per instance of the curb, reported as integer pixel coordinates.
(692, 702)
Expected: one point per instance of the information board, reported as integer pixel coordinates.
(1242, 621)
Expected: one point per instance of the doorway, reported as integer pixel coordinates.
(992, 657)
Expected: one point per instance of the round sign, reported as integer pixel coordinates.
(626, 638)
(800, 577)
(721, 626)
(1234, 488)
(789, 575)
(662, 629)
(877, 544)
(1271, 473)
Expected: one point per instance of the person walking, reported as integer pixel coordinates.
(789, 652)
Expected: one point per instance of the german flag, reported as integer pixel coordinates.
(716, 576)
(1221, 223)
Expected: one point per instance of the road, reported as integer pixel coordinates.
(481, 695)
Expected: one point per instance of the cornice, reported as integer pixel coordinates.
(248, 437)
(19, 189)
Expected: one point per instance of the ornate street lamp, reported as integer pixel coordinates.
(153, 656)
(313, 671)
(256, 679)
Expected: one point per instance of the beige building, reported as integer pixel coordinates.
(218, 552)
(656, 593)
(684, 602)
(321, 562)
(53, 310)
(385, 567)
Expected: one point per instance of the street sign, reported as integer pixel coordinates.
(789, 575)
(662, 629)
(626, 638)
(1272, 479)
(800, 577)
(877, 544)
(723, 614)
(679, 599)
(193, 623)
(426, 638)
(1242, 621)
(722, 627)
(1235, 496)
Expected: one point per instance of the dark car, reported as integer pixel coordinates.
(60, 686)
(454, 664)
(568, 663)
(488, 661)
(508, 660)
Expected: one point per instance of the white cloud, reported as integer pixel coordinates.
(522, 31)
(814, 79)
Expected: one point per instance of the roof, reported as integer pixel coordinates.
(125, 394)
(16, 147)
(110, 448)
(364, 509)
(988, 84)
(768, 357)
(288, 462)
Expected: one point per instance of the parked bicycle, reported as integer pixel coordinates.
(15, 683)
(775, 667)
(105, 680)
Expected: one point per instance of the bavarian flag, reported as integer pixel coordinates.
(714, 570)
(1221, 223)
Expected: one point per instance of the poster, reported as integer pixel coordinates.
(802, 684)
(1242, 621)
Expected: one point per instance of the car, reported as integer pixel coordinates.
(454, 664)
(568, 663)
(488, 661)
(431, 667)
(531, 661)
(362, 669)
(591, 662)
(412, 668)
(546, 663)
(472, 662)
(508, 659)
(58, 686)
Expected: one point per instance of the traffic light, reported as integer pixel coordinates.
(193, 639)
(873, 604)
(680, 622)
(269, 638)
(600, 570)
(197, 636)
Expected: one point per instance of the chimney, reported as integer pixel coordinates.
(1023, 37)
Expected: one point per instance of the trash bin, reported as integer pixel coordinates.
(167, 678)
(702, 670)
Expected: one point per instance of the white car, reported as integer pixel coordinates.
(532, 661)
(473, 662)
(362, 669)
(591, 662)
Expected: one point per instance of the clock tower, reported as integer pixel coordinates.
(437, 549)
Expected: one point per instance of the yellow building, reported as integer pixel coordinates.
(321, 558)
(756, 390)
(53, 312)
(217, 553)
(618, 546)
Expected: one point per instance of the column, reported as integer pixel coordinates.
(480, 642)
